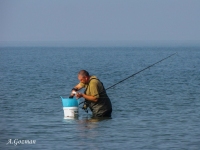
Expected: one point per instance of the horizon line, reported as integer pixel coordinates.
(98, 43)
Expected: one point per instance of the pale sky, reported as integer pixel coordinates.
(99, 20)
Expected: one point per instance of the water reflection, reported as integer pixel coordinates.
(89, 129)
(85, 128)
(90, 123)
(85, 122)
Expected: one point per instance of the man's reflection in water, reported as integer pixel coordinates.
(92, 121)
(86, 128)
(89, 129)
(85, 119)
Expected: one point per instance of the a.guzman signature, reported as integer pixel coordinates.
(18, 141)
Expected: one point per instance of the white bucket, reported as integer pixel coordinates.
(70, 112)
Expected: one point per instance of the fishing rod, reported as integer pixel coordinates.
(139, 71)
(135, 74)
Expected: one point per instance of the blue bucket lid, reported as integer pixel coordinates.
(69, 102)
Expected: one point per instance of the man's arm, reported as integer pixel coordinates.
(77, 87)
(90, 98)
(94, 92)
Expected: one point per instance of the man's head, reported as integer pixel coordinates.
(83, 76)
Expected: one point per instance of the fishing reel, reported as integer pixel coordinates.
(85, 106)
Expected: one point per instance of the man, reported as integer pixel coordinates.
(95, 95)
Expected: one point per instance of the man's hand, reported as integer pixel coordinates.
(73, 92)
(79, 95)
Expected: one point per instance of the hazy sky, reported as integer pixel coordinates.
(99, 20)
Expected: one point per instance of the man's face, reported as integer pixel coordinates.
(83, 79)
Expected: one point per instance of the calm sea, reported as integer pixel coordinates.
(156, 109)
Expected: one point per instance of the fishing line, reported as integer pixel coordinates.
(134, 74)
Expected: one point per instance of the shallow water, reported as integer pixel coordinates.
(156, 109)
